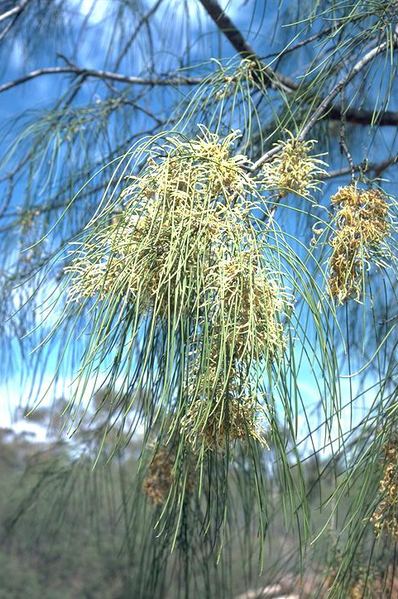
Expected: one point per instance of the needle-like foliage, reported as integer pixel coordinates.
(198, 238)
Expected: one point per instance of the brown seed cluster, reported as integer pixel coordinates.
(385, 518)
(293, 169)
(159, 479)
(357, 590)
(362, 224)
(362, 583)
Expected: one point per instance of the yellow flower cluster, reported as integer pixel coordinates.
(178, 212)
(184, 247)
(254, 300)
(362, 223)
(385, 518)
(293, 169)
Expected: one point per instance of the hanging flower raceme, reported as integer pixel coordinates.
(362, 226)
(221, 407)
(185, 254)
(294, 169)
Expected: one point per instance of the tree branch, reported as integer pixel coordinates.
(376, 167)
(364, 117)
(344, 81)
(234, 36)
(155, 81)
(14, 11)
(324, 105)
(232, 33)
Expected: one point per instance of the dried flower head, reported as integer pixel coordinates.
(360, 585)
(161, 476)
(385, 517)
(293, 169)
(362, 224)
(159, 479)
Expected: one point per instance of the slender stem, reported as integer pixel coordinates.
(155, 81)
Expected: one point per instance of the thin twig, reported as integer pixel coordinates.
(343, 141)
(142, 22)
(16, 15)
(302, 43)
(155, 81)
(377, 168)
(14, 11)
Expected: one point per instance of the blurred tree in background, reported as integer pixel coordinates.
(198, 225)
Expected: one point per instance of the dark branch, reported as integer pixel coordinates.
(364, 117)
(376, 168)
(232, 33)
(225, 24)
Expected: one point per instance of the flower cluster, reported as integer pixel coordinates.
(224, 410)
(385, 518)
(184, 247)
(293, 169)
(176, 214)
(244, 71)
(362, 224)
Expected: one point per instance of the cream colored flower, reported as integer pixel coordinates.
(293, 169)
